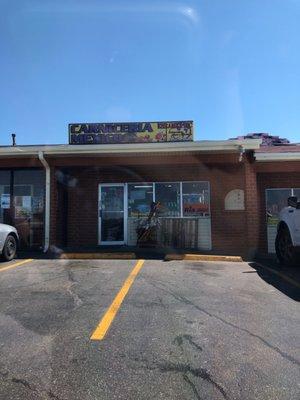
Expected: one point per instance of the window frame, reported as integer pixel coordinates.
(193, 216)
(180, 193)
(141, 184)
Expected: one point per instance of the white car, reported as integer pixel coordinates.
(9, 240)
(288, 233)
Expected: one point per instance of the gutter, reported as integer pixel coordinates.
(126, 148)
(268, 157)
(47, 202)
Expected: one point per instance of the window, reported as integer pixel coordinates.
(276, 200)
(29, 194)
(168, 195)
(5, 197)
(186, 199)
(195, 199)
(140, 197)
(26, 208)
(22, 190)
(296, 192)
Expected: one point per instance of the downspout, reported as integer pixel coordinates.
(242, 152)
(47, 201)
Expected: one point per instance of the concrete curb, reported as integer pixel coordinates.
(132, 256)
(201, 257)
(97, 256)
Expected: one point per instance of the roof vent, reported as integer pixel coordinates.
(13, 137)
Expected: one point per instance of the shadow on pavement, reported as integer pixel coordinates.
(286, 282)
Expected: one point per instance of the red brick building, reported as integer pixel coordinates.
(216, 196)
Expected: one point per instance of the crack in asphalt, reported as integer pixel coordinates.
(71, 282)
(76, 299)
(22, 382)
(53, 396)
(183, 369)
(150, 304)
(193, 386)
(71, 275)
(197, 372)
(185, 300)
(29, 386)
(180, 339)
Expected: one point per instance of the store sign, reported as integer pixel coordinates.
(131, 132)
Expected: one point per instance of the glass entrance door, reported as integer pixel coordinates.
(112, 214)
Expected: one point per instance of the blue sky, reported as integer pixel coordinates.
(232, 66)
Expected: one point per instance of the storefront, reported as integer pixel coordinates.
(125, 206)
(214, 196)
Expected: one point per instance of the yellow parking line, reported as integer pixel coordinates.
(17, 264)
(283, 276)
(110, 314)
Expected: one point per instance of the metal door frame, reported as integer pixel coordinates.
(125, 211)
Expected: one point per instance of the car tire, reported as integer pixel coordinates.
(10, 248)
(284, 247)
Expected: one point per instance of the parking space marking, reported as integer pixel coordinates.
(103, 326)
(280, 274)
(17, 264)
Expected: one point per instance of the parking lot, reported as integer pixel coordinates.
(118, 329)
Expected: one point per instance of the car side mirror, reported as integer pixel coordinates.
(292, 201)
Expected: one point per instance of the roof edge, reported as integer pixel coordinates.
(173, 147)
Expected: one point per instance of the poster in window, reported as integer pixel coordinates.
(37, 204)
(22, 206)
(5, 201)
(195, 209)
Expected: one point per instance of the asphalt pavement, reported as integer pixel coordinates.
(174, 330)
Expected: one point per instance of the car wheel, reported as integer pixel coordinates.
(284, 247)
(10, 248)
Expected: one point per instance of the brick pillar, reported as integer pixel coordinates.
(251, 207)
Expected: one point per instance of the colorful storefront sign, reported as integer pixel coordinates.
(131, 132)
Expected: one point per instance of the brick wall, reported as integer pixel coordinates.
(18, 162)
(228, 227)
